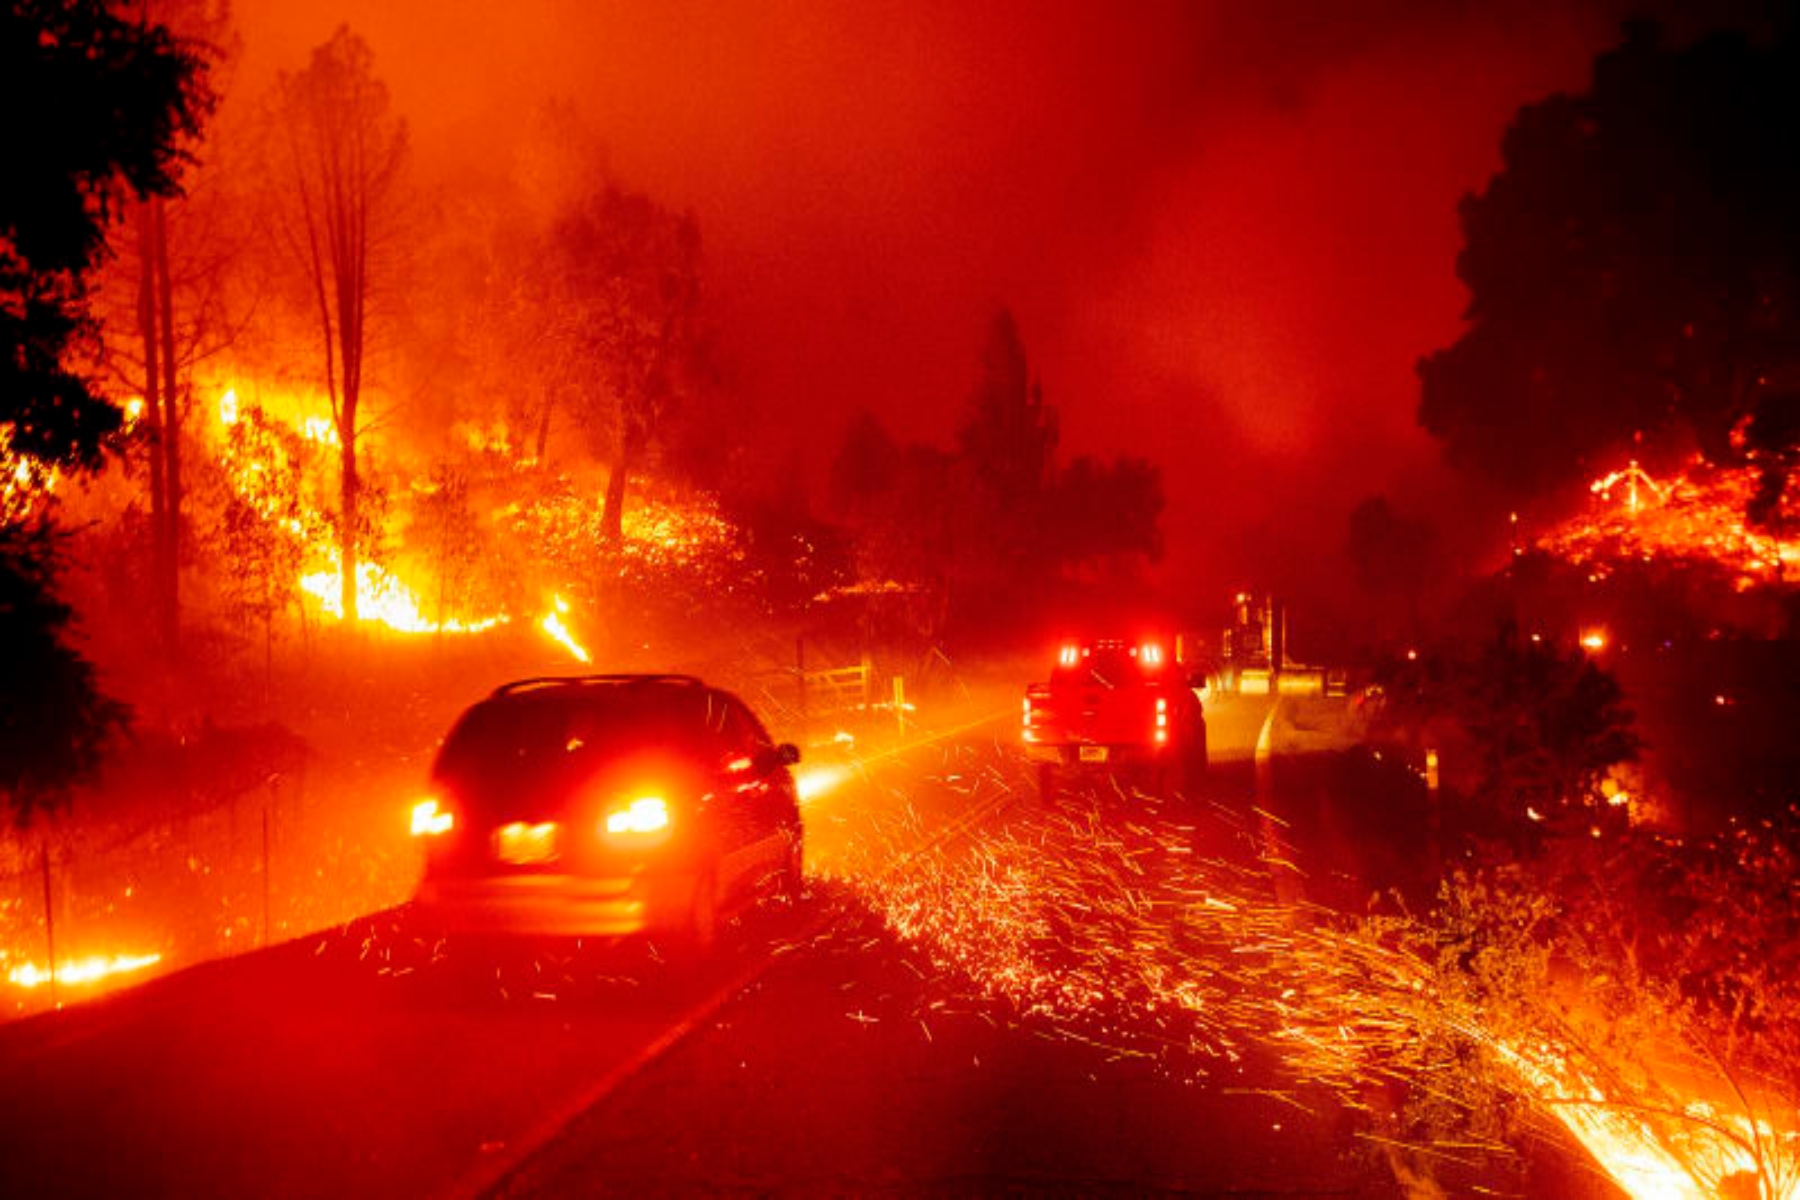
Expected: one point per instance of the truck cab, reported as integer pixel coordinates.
(1117, 705)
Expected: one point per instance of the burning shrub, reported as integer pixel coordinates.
(1643, 992)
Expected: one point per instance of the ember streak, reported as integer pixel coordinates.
(1165, 932)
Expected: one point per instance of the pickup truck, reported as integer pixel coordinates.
(1115, 705)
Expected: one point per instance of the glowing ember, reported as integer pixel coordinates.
(76, 972)
(1633, 477)
(552, 624)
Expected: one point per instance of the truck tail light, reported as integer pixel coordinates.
(1151, 654)
(1029, 735)
(1069, 655)
(1162, 720)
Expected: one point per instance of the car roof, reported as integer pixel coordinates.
(592, 684)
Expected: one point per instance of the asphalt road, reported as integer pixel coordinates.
(896, 1033)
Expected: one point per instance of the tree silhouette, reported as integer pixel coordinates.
(97, 106)
(54, 722)
(176, 263)
(1632, 269)
(111, 100)
(630, 272)
(343, 154)
(992, 526)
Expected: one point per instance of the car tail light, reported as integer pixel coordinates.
(430, 818)
(644, 815)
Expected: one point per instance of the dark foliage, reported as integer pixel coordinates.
(1101, 509)
(54, 723)
(96, 106)
(995, 527)
(1523, 724)
(1633, 269)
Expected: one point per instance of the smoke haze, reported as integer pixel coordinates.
(1227, 231)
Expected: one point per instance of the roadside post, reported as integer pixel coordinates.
(49, 924)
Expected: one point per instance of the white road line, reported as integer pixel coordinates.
(1265, 756)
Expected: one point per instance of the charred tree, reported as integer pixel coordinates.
(631, 271)
(344, 154)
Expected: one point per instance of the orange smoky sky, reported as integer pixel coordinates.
(1227, 230)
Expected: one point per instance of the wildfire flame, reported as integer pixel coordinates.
(25, 483)
(1690, 1160)
(383, 600)
(552, 624)
(76, 972)
(1697, 516)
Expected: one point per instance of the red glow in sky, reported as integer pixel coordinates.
(1227, 231)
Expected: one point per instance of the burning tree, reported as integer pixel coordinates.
(263, 522)
(446, 529)
(341, 173)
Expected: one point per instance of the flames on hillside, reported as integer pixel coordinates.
(1695, 516)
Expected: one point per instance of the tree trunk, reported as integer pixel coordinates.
(170, 583)
(543, 431)
(347, 505)
(148, 310)
(612, 511)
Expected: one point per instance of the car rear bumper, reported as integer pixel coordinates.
(1100, 756)
(557, 905)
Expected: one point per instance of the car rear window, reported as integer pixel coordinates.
(526, 750)
(1102, 667)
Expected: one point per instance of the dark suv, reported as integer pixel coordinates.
(607, 805)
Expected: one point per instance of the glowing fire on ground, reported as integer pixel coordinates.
(76, 972)
(1697, 1152)
(384, 600)
(1696, 516)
